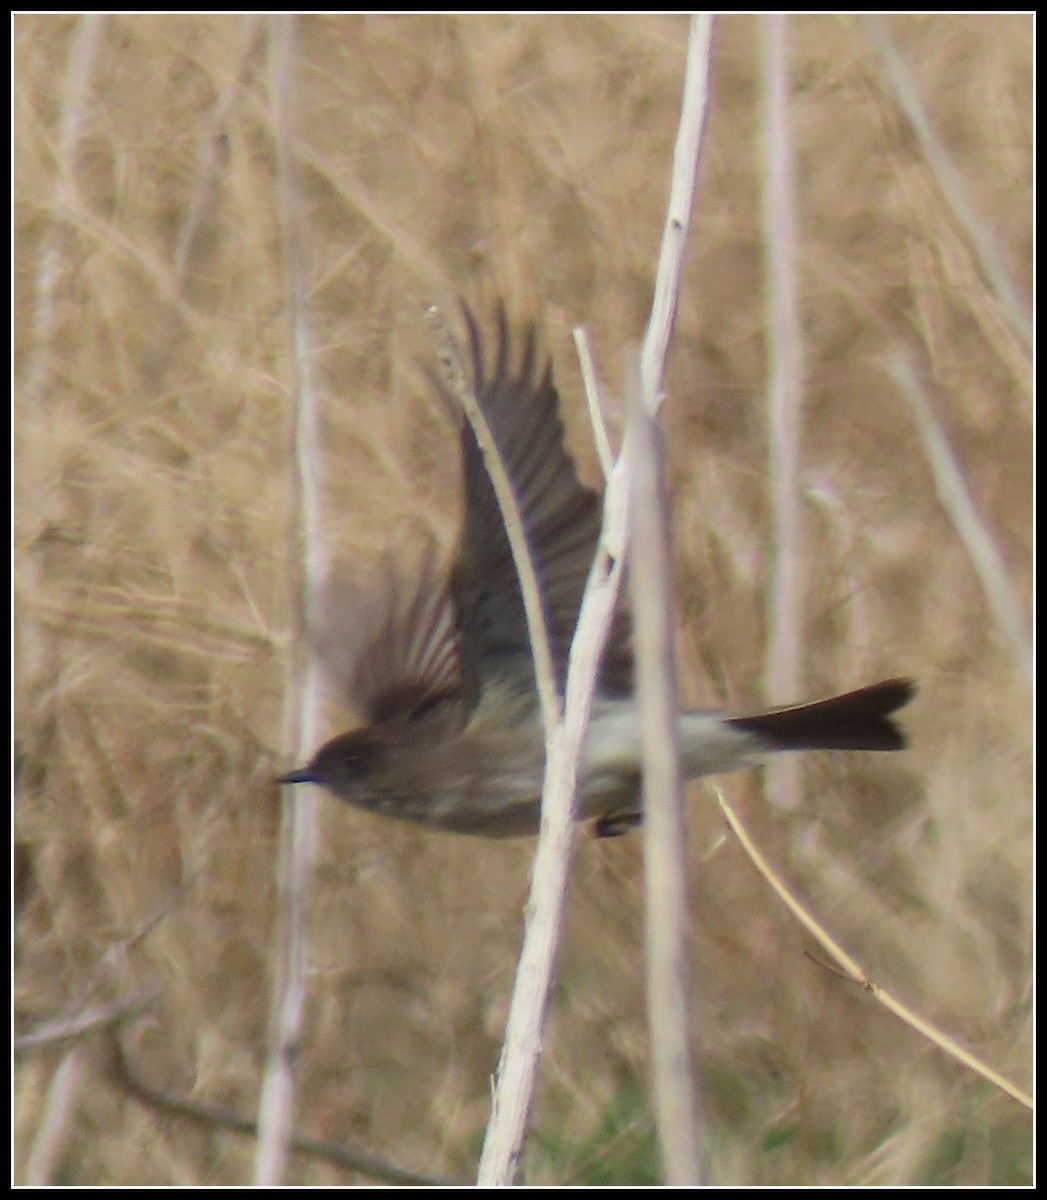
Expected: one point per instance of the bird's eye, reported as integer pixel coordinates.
(354, 764)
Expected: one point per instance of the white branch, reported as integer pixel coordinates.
(784, 396)
(954, 189)
(523, 1038)
(298, 832)
(973, 532)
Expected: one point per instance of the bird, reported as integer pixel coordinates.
(438, 661)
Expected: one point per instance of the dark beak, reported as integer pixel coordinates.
(302, 776)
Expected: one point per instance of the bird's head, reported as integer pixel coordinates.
(349, 765)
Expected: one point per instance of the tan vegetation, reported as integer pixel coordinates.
(524, 157)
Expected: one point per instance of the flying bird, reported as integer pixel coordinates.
(439, 665)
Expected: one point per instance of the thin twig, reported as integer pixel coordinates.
(49, 1140)
(522, 1045)
(592, 396)
(214, 1116)
(211, 154)
(665, 878)
(523, 1034)
(952, 184)
(669, 1007)
(39, 658)
(785, 338)
(518, 1065)
(298, 826)
(565, 733)
(83, 52)
(64, 1029)
(855, 972)
(973, 532)
(682, 186)
(512, 519)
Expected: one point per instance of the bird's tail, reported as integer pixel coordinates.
(858, 720)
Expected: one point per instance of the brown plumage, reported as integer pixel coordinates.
(438, 664)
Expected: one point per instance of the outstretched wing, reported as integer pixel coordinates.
(560, 515)
(388, 640)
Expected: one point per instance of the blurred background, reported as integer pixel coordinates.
(524, 158)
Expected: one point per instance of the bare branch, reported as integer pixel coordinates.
(973, 532)
(682, 186)
(518, 1064)
(523, 1035)
(49, 1141)
(211, 155)
(954, 189)
(298, 832)
(665, 837)
(669, 1009)
(522, 1046)
(514, 527)
(214, 1116)
(784, 395)
(39, 659)
(851, 969)
(592, 396)
(89, 1020)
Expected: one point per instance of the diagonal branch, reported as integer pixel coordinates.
(521, 1050)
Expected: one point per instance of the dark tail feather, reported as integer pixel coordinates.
(855, 721)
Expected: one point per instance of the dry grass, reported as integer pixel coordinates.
(525, 157)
